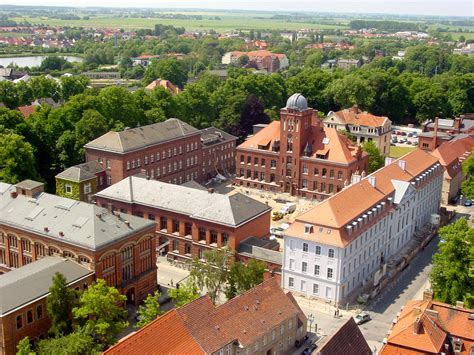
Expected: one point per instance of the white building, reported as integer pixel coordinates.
(347, 240)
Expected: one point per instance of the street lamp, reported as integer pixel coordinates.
(311, 320)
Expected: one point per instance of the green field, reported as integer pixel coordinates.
(397, 152)
(227, 22)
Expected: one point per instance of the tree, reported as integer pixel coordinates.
(351, 90)
(17, 161)
(243, 61)
(183, 293)
(101, 311)
(169, 69)
(376, 160)
(61, 300)
(53, 63)
(211, 273)
(430, 103)
(150, 310)
(467, 187)
(79, 342)
(73, 85)
(452, 277)
(118, 105)
(244, 277)
(24, 347)
(43, 87)
(89, 127)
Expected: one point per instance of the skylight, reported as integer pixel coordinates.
(325, 140)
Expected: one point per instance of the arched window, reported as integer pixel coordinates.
(68, 254)
(126, 255)
(53, 251)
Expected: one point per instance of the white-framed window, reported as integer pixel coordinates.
(315, 289)
(146, 159)
(303, 286)
(128, 165)
(329, 273)
(304, 267)
(305, 169)
(305, 247)
(180, 149)
(107, 163)
(169, 153)
(68, 189)
(101, 180)
(139, 162)
(87, 188)
(158, 172)
(331, 253)
(292, 244)
(109, 180)
(318, 250)
(157, 156)
(291, 284)
(292, 264)
(152, 158)
(317, 270)
(133, 164)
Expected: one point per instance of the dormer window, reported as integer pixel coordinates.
(308, 228)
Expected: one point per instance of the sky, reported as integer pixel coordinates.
(419, 7)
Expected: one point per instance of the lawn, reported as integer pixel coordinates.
(232, 21)
(397, 151)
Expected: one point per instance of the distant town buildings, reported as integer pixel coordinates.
(144, 60)
(430, 327)
(171, 151)
(298, 155)
(119, 248)
(263, 320)
(189, 221)
(261, 60)
(23, 304)
(347, 242)
(467, 49)
(363, 126)
(441, 130)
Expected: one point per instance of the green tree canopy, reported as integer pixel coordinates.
(17, 160)
(78, 342)
(169, 69)
(184, 293)
(150, 310)
(24, 347)
(101, 310)
(243, 277)
(61, 300)
(376, 160)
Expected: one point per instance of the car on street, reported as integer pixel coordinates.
(277, 231)
(468, 203)
(410, 134)
(403, 133)
(362, 318)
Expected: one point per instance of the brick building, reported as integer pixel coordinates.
(298, 155)
(189, 221)
(23, 305)
(430, 327)
(120, 249)
(263, 320)
(348, 339)
(363, 126)
(170, 151)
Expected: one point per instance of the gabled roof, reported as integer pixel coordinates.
(355, 116)
(348, 339)
(81, 172)
(213, 207)
(453, 150)
(26, 111)
(81, 224)
(166, 84)
(30, 282)
(212, 135)
(140, 137)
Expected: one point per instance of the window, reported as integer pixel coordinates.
(175, 151)
(163, 223)
(138, 162)
(107, 163)
(202, 234)
(146, 160)
(175, 226)
(273, 164)
(225, 239)
(329, 273)
(339, 175)
(255, 161)
(19, 321)
(305, 247)
(39, 312)
(291, 284)
(128, 165)
(213, 237)
(109, 180)
(152, 158)
(29, 316)
(68, 189)
(316, 270)
(331, 253)
(303, 285)
(292, 264)
(157, 156)
(305, 169)
(188, 229)
(263, 162)
(87, 188)
(316, 171)
(318, 250)
(304, 267)
(331, 174)
(175, 246)
(324, 172)
(315, 289)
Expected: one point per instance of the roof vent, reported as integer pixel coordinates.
(61, 234)
(46, 229)
(402, 164)
(13, 194)
(217, 327)
(372, 180)
(255, 307)
(246, 307)
(459, 304)
(257, 302)
(127, 223)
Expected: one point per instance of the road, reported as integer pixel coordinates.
(409, 284)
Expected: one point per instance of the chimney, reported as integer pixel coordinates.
(355, 178)
(435, 133)
(46, 229)
(210, 190)
(61, 234)
(416, 310)
(13, 194)
(459, 304)
(402, 164)
(432, 313)
(427, 295)
(417, 326)
(372, 180)
(127, 223)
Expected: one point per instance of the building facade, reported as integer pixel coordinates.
(262, 321)
(170, 151)
(363, 126)
(23, 305)
(188, 221)
(119, 248)
(298, 155)
(349, 240)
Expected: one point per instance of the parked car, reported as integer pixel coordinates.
(468, 203)
(288, 208)
(403, 133)
(362, 318)
(410, 134)
(398, 133)
(277, 216)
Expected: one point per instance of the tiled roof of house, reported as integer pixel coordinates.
(166, 84)
(262, 53)
(424, 326)
(140, 137)
(338, 147)
(348, 339)
(350, 203)
(355, 116)
(200, 327)
(30, 282)
(454, 150)
(65, 220)
(81, 172)
(26, 111)
(223, 209)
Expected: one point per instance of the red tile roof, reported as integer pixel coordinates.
(356, 117)
(166, 84)
(165, 335)
(26, 111)
(347, 340)
(454, 151)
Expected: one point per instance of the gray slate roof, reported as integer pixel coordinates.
(140, 137)
(212, 135)
(32, 281)
(29, 184)
(222, 209)
(261, 249)
(84, 225)
(81, 172)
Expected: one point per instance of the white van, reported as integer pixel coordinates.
(288, 208)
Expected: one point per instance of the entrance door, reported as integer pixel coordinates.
(131, 296)
(328, 293)
(287, 187)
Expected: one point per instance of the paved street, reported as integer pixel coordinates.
(410, 284)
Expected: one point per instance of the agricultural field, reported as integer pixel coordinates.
(211, 20)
